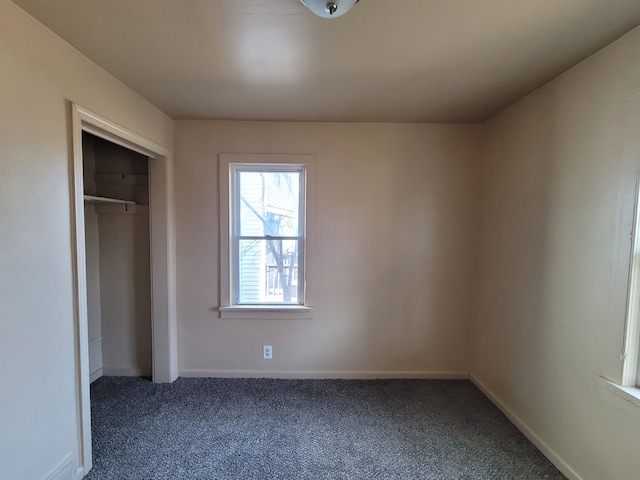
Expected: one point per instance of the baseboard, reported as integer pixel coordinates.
(64, 471)
(315, 374)
(95, 375)
(541, 445)
(80, 473)
(125, 372)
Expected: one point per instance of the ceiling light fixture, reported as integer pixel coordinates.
(329, 8)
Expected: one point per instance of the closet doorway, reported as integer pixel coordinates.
(117, 252)
(122, 220)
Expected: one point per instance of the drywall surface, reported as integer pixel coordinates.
(94, 311)
(39, 392)
(557, 193)
(390, 268)
(92, 252)
(125, 289)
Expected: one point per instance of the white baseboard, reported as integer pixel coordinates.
(64, 471)
(125, 372)
(546, 450)
(95, 375)
(339, 374)
(80, 473)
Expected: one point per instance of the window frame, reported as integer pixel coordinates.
(630, 369)
(230, 163)
(236, 236)
(627, 387)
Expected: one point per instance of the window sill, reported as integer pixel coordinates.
(268, 312)
(627, 397)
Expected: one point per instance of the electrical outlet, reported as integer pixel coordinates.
(267, 352)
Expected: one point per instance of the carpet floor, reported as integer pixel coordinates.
(304, 429)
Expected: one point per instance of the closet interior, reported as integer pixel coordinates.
(117, 245)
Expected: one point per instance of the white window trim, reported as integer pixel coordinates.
(628, 388)
(630, 369)
(630, 395)
(264, 311)
(272, 312)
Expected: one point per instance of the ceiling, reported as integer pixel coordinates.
(384, 61)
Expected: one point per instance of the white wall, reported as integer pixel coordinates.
(38, 392)
(393, 257)
(558, 181)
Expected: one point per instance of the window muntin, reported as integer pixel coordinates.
(267, 241)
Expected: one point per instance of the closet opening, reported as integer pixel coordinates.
(124, 264)
(118, 265)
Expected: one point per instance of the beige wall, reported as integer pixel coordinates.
(125, 289)
(39, 75)
(94, 311)
(394, 262)
(557, 181)
(393, 256)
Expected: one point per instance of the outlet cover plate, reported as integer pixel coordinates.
(267, 352)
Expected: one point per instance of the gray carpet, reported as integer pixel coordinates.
(304, 429)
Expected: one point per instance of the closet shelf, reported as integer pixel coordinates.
(94, 199)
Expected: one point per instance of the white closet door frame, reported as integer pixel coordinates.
(163, 278)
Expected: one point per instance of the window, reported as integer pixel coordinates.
(628, 386)
(631, 351)
(264, 233)
(267, 245)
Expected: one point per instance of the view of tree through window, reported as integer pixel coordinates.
(268, 235)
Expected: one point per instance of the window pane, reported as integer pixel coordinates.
(269, 203)
(268, 271)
